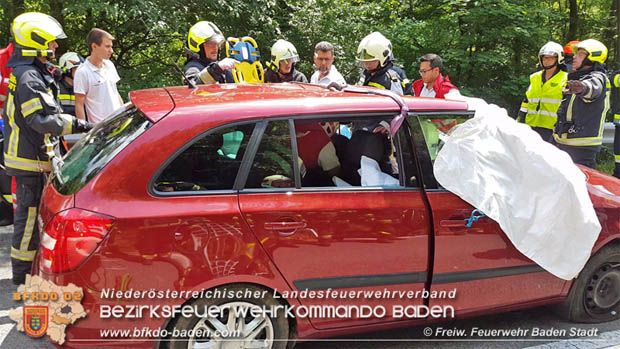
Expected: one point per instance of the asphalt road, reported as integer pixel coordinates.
(540, 319)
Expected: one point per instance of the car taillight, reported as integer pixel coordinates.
(70, 237)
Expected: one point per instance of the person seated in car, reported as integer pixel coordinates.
(318, 154)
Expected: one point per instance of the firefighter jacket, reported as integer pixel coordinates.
(32, 117)
(294, 75)
(384, 78)
(542, 100)
(66, 97)
(195, 71)
(581, 117)
(615, 84)
(442, 86)
(404, 81)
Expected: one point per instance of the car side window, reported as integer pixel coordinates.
(210, 163)
(337, 152)
(273, 164)
(434, 127)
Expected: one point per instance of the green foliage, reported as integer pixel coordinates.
(489, 47)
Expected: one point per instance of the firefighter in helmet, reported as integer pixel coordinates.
(34, 121)
(579, 130)
(544, 95)
(281, 68)
(204, 41)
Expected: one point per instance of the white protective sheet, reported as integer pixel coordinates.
(531, 188)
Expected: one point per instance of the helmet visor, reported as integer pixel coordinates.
(218, 38)
(363, 55)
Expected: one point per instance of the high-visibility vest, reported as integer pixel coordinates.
(543, 99)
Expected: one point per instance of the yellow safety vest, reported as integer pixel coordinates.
(543, 100)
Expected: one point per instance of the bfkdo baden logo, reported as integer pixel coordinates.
(35, 320)
(48, 308)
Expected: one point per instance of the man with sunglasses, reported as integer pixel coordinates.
(432, 83)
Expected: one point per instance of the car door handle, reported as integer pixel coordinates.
(456, 223)
(284, 228)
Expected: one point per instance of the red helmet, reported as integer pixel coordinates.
(568, 49)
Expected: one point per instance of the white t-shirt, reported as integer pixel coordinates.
(332, 76)
(425, 92)
(99, 86)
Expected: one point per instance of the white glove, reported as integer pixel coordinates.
(228, 63)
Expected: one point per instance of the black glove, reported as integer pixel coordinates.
(80, 126)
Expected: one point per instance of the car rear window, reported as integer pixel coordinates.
(97, 149)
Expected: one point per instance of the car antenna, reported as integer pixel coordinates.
(187, 80)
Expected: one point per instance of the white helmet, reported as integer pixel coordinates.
(70, 60)
(282, 49)
(374, 46)
(551, 49)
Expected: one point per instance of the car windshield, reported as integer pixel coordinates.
(98, 148)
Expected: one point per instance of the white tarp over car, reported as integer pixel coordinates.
(530, 187)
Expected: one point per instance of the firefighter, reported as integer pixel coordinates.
(581, 116)
(68, 64)
(203, 44)
(374, 53)
(281, 68)
(34, 120)
(544, 95)
(615, 83)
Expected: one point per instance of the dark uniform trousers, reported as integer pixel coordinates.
(26, 228)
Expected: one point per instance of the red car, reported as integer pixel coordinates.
(229, 197)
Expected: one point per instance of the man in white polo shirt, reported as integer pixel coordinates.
(326, 72)
(95, 80)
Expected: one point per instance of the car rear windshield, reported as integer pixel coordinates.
(97, 149)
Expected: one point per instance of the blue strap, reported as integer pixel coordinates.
(475, 215)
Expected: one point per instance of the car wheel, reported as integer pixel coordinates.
(227, 331)
(595, 295)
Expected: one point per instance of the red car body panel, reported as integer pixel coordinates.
(342, 235)
(203, 241)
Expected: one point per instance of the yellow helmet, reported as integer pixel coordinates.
(280, 50)
(597, 52)
(36, 30)
(373, 47)
(201, 32)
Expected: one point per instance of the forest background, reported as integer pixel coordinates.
(489, 47)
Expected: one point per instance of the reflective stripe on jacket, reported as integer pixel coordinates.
(543, 99)
(581, 117)
(384, 78)
(32, 119)
(66, 97)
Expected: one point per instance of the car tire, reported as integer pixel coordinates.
(254, 330)
(595, 295)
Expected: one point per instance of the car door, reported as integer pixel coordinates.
(336, 241)
(478, 262)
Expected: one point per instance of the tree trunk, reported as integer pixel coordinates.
(56, 7)
(573, 27)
